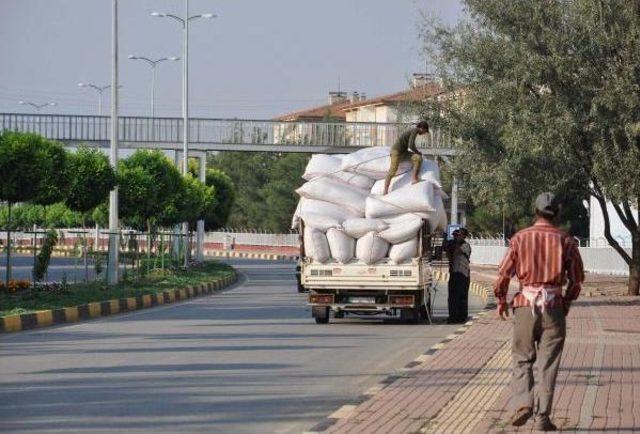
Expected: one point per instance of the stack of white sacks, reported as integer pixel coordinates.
(347, 218)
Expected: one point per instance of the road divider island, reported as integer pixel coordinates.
(28, 307)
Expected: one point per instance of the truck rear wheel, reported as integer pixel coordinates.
(321, 314)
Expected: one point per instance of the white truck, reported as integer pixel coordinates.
(380, 288)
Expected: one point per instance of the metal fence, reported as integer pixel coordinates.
(135, 129)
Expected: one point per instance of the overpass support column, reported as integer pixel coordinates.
(454, 201)
(202, 175)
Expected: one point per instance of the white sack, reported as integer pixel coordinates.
(403, 252)
(321, 164)
(401, 232)
(440, 216)
(371, 248)
(372, 162)
(316, 245)
(428, 172)
(354, 179)
(319, 222)
(330, 190)
(359, 227)
(414, 198)
(295, 220)
(339, 213)
(342, 246)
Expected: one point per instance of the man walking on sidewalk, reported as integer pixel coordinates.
(544, 258)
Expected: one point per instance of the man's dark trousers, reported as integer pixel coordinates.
(458, 297)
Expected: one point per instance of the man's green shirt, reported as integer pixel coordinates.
(406, 142)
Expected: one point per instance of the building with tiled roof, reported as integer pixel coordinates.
(358, 108)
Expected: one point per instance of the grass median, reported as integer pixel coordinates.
(59, 296)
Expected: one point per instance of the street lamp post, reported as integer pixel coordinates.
(36, 105)
(98, 89)
(114, 225)
(153, 63)
(185, 81)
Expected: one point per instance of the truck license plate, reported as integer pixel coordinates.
(362, 300)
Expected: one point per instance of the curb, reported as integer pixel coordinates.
(45, 318)
(67, 251)
(250, 255)
(484, 291)
(409, 370)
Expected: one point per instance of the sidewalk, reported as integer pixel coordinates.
(461, 387)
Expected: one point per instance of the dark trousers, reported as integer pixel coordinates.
(458, 297)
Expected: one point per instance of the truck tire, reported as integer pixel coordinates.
(321, 314)
(410, 315)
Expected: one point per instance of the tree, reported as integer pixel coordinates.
(265, 186)
(194, 201)
(249, 173)
(91, 180)
(217, 216)
(279, 192)
(218, 212)
(21, 166)
(544, 97)
(54, 181)
(148, 181)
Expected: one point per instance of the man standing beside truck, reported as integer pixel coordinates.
(544, 258)
(405, 149)
(459, 253)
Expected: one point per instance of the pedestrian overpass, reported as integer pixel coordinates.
(206, 135)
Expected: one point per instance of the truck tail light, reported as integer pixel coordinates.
(321, 298)
(401, 300)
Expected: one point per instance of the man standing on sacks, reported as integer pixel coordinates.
(544, 258)
(405, 149)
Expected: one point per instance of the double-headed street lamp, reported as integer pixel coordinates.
(153, 63)
(184, 21)
(185, 74)
(36, 105)
(98, 89)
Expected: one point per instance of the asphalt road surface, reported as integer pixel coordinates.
(248, 360)
(71, 269)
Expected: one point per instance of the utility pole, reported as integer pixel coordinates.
(114, 227)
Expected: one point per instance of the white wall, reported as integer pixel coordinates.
(602, 260)
(596, 223)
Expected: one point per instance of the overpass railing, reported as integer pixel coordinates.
(132, 129)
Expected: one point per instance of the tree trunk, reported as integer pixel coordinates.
(634, 266)
(8, 276)
(85, 257)
(148, 246)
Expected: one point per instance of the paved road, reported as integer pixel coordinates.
(249, 360)
(71, 269)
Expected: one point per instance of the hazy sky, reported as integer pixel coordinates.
(258, 59)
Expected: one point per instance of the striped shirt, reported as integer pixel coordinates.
(541, 255)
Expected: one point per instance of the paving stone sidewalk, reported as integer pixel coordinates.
(461, 387)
